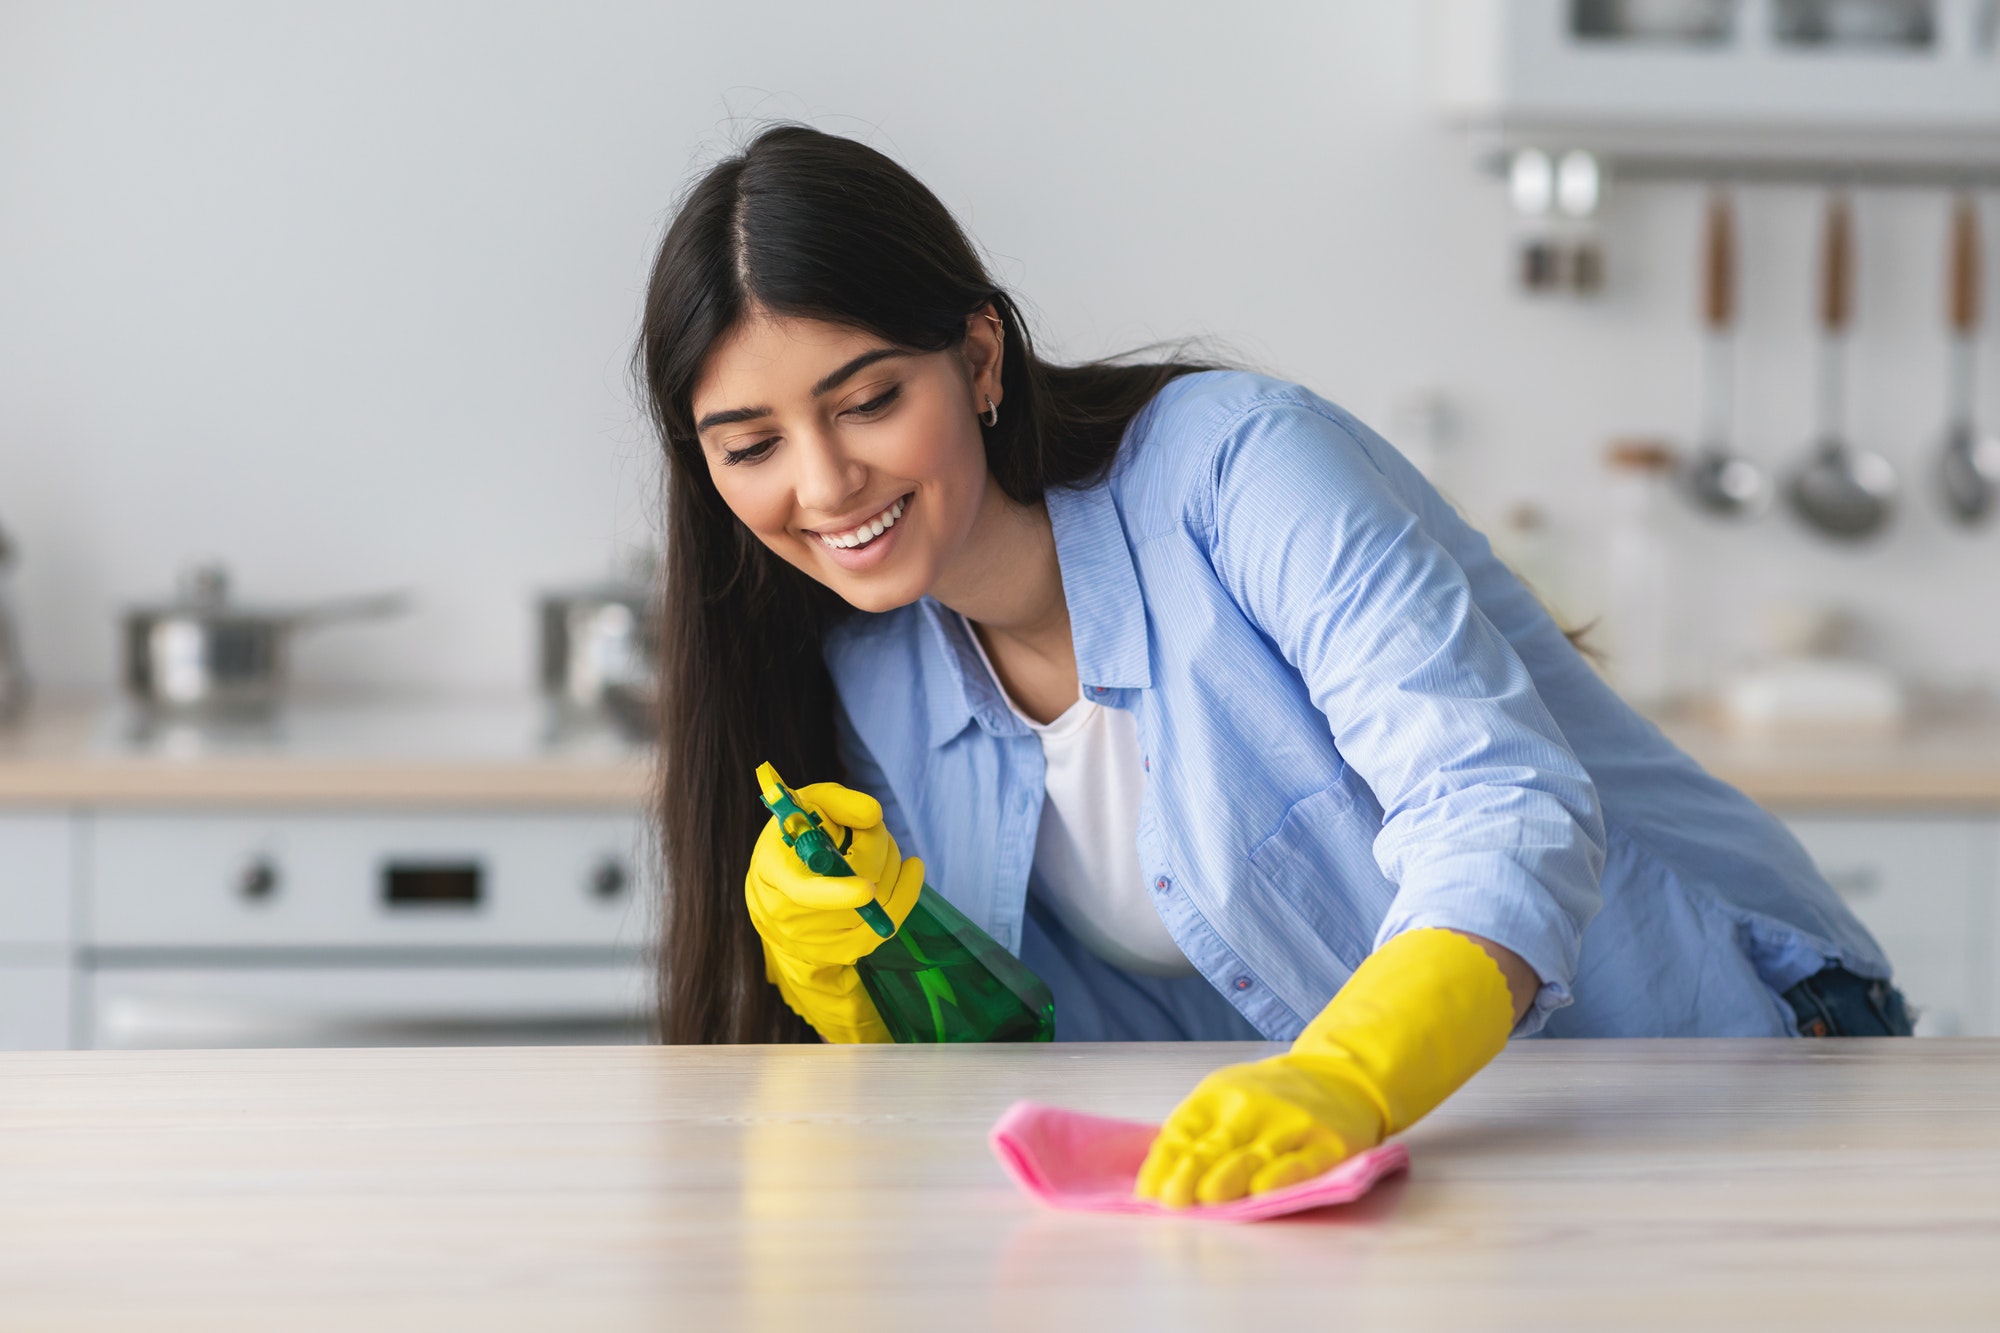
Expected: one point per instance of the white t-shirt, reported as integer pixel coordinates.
(1087, 848)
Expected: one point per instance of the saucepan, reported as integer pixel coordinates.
(203, 653)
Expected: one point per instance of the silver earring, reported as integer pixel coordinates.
(991, 416)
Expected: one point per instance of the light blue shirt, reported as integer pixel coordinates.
(1355, 721)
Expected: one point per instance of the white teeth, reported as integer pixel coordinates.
(867, 532)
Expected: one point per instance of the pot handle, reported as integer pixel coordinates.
(374, 606)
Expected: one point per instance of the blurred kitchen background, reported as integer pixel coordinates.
(308, 303)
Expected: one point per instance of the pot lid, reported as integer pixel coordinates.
(202, 592)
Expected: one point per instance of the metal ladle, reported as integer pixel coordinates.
(1969, 468)
(1721, 480)
(1845, 493)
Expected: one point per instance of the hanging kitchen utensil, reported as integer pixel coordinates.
(1969, 467)
(1842, 492)
(1721, 480)
(1531, 186)
(203, 653)
(1579, 195)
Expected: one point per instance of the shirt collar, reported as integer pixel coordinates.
(1107, 612)
(1107, 619)
(961, 690)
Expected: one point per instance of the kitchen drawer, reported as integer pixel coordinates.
(339, 881)
(35, 1004)
(1920, 886)
(35, 877)
(138, 1007)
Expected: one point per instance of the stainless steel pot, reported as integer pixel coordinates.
(204, 654)
(600, 651)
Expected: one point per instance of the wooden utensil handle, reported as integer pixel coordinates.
(1836, 289)
(1965, 266)
(1719, 265)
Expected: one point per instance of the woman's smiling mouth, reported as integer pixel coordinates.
(862, 534)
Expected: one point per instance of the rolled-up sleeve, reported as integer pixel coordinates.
(1490, 823)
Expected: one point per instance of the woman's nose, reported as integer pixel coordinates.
(826, 480)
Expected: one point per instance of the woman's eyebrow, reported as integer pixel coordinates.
(731, 417)
(854, 367)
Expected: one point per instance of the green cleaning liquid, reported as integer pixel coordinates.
(939, 978)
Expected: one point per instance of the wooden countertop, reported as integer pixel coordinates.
(472, 753)
(377, 754)
(1943, 759)
(1671, 1184)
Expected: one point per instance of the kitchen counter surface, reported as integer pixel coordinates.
(1669, 1184)
(401, 754)
(506, 752)
(1945, 758)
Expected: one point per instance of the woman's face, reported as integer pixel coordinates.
(859, 462)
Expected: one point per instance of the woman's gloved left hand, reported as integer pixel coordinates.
(1421, 1015)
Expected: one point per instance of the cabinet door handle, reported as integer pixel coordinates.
(609, 878)
(258, 881)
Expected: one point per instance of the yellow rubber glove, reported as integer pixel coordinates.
(811, 932)
(1419, 1017)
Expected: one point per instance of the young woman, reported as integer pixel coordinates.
(1187, 688)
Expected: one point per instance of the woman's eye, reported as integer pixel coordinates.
(878, 402)
(749, 453)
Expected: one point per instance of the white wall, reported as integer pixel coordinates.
(343, 293)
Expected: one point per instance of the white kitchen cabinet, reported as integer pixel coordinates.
(36, 1000)
(1888, 82)
(36, 879)
(1923, 887)
(37, 884)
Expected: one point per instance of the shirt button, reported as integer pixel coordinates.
(1160, 883)
(1099, 689)
(1147, 763)
(1241, 983)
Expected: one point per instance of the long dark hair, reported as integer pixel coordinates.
(806, 225)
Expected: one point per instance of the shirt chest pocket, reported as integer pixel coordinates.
(1319, 864)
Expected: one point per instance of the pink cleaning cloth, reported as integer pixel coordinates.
(1089, 1164)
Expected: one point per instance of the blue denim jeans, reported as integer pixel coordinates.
(1833, 1002)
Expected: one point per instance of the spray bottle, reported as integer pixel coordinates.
(939, 978)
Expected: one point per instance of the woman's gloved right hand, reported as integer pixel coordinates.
(812, 934)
